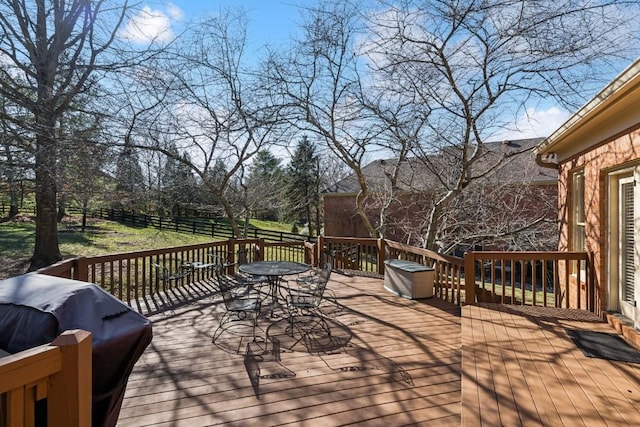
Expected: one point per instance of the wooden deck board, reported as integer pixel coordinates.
(550, 381)
(406, 363)
(401, 366)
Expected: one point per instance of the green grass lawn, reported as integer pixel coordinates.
(101, 237)
(271, 225)
(528, 294)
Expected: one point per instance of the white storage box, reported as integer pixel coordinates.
(408, 279)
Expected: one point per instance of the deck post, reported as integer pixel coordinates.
(319, 250)
(310, 250)
(592, 291)
(82, 269)
(469, 279)
(69, 396)
(381, 255)
(260, 249)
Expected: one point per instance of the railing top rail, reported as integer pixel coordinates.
(293, 243)
(28, 366)
(350, 239)
(150, 252)
(537, 255)
(242, 241)
(426, 252)
(59, 267)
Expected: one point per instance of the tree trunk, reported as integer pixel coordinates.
(62, 211)
(84, 218)
(15, 200)
(360, 200)
(309, 223)
(46, 250)
(228, 210)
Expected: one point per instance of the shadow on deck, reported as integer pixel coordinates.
(387, 361)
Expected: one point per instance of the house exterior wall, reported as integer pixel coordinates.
(619, 152)
(341, 218)
(409, 212)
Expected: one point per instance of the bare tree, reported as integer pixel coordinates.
(208, 105)
(471, 67)
(50, 50)
(15, 156)
(318, 82)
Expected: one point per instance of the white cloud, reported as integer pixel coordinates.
(151, 25)
(174, 12)
(534, 123)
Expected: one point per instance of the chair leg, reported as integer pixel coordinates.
(293, 311)
(219, 329)
(330, 296)
(255, 324)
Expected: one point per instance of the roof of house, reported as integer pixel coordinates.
(517, 166)
(613, 110)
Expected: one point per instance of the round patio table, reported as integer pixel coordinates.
(274, 271)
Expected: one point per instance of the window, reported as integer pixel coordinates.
(577, 197)
(627, 240)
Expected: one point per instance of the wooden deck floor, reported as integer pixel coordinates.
(521, 368)
(402, 365)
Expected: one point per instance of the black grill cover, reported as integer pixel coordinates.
(35, 308)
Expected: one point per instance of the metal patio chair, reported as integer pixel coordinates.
(250, 282)
(241, 304)
(308, 284)
(307, 298)
(167, 276)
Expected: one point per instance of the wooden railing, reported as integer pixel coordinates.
(368, 255)
(557, 279)
(534, 278)
(357, 254)
(290, 251)
(447, 282)
(131, 276)
(59, 372)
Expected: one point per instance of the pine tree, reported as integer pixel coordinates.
(302, 191)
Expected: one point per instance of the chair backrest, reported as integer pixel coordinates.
(327, 256)
(325, 273)
(224, 285)
(161, 271)
(321, 285)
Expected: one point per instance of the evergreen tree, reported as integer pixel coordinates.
(129, 179)
(178, 184)
(214, 187)
(264, 186)
(303, 181)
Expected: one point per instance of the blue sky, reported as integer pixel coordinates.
(269, 21)
(273, 22)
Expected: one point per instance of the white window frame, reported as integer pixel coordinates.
(577, 212)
